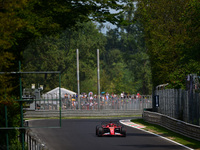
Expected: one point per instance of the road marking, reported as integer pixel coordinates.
(139, 127)
(134, 125)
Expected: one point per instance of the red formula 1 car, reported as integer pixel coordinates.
(110, 129)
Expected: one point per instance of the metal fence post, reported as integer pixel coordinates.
(6, 121)
(21, 108)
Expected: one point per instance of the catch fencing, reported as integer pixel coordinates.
(179, 104)
(131, 102)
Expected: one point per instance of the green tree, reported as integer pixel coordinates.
(7, 102)
(170, 32)
(59, 54)
(87, 39)
(128, 38)
(23, 21)
(44, 54)
(115, 68)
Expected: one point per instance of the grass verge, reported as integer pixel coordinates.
(169, 134)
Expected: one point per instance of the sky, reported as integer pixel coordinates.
(108, 25)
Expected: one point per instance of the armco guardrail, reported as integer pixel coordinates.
(81, 113)
(181, 127)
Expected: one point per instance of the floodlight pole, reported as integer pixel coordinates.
(78, 84)
(98, 79)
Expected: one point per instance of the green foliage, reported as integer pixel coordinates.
(45, 18)
(6, 100)
(119, 72)
(172, 38)
(10, 22)
(24, 19)
(13, 119)
(87, 39)
(6, 89)
(59, 54)
(128, 39)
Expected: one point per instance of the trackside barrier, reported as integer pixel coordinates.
(179, 104)
(181, 127)
(33, 142)
(82, 113)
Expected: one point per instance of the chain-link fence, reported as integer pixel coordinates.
(131, 102)
(179, 104)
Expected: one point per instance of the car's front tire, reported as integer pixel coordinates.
(100, 131)
(123, 132)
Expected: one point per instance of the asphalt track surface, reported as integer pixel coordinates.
(80, 135)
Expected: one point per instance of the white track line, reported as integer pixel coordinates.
(126, 122)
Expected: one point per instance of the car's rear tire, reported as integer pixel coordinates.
(97, 128)
(123, 132)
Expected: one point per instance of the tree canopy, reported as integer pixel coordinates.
(22, 20)
(172, 37)
(119, 72)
